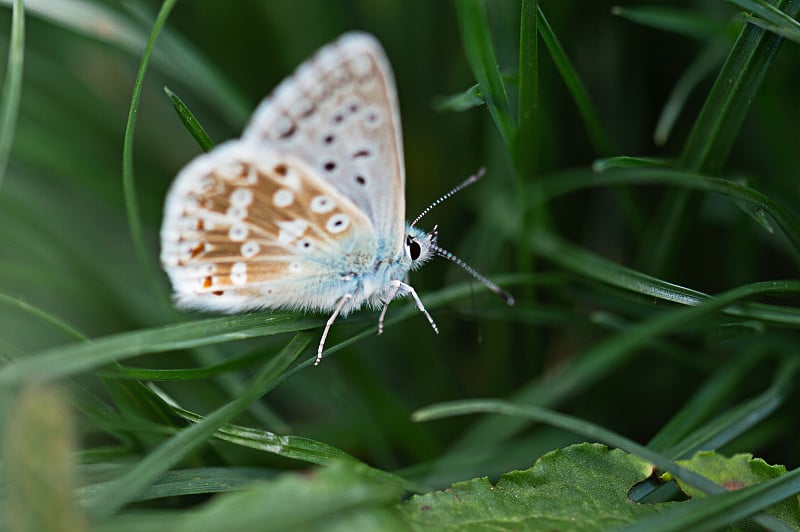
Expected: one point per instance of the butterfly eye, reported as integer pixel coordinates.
(414, 249)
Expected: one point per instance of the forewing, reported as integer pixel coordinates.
(248, 227)
(339, 113)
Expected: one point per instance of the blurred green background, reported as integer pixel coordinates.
(65, 245)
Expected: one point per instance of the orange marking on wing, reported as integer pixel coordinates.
(207, 282)
(217, 292)
(198, 249)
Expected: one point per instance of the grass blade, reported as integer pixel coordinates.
(189, 121)
(690, 23)
(128, 183)
(125, 488)
(771, 18)
(575, 86)
(714, 132)
(606, 356)
(526, 148)
(473, 22)
(71, 359)
(12, 85)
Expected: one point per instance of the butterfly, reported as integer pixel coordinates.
(306, 210)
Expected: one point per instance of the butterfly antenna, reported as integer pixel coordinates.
(508, 298)
(467, 182)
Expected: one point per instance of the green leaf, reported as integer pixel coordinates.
(729, 508)
(581, 487)
(340, 497)
(738, 472)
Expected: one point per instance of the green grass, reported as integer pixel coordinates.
(640, 202)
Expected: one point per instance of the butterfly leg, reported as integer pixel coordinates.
(407, 289)
(396, 289)
(329, 323)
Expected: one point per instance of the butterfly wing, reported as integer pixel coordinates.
(339, 113)
(248, 227)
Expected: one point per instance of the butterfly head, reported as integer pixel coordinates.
(419, 246)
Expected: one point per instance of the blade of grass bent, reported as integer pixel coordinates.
(605, 357)
(713, 133)
(128, 183)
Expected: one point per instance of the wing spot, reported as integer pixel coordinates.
(328, 139)
(303, 108)
(290, 231)
(252, 176)
(237, 213)
(199, 225)
(230, 171)
(238, 232)
(318, 92)
(295, 268)
(241, 197)
(217, 292)
(337, 223)
(207, 282)
(330, 166)
(305, 245)
(288, 175)
(374, 117)
(205, 185)
(321, 204)
(282, 198)
(289, 132)
(284, 127)
(239, 273)
(361, 180)
(250, 249)
(362, 153)
(197, 250)
(361, 65)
